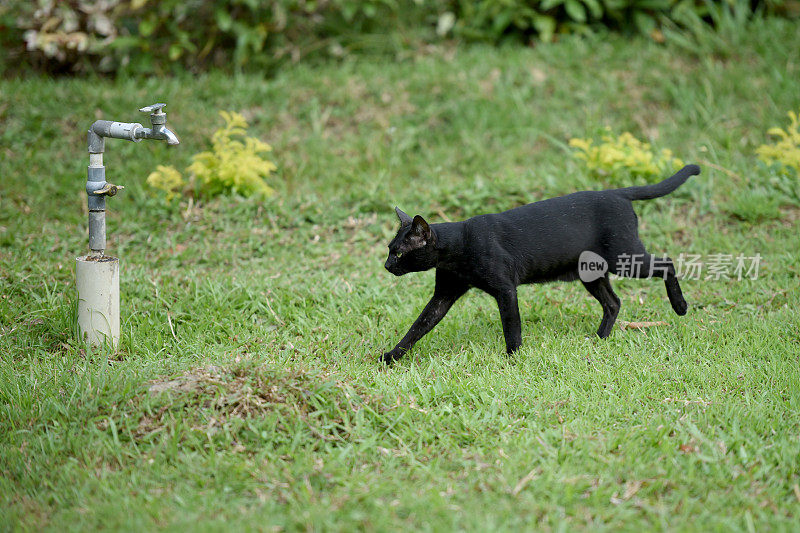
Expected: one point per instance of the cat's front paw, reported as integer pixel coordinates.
(390, 357)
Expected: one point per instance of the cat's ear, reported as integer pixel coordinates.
(405, 220)
(420, 228)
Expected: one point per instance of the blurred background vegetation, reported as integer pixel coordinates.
(122, 36)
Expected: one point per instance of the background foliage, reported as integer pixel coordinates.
(144, 35)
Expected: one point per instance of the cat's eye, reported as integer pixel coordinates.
(398, 254)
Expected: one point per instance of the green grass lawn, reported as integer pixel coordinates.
(246, 393)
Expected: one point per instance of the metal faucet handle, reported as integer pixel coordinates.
(109, 189)
(155, 108)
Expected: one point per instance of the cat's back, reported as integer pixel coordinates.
(577, 204)
(569, 222)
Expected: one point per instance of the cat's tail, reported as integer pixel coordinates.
(648, 192)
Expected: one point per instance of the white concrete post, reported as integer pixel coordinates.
(98, 300)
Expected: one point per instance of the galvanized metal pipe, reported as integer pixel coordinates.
(96, 179)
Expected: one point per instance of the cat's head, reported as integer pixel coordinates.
(412, 249)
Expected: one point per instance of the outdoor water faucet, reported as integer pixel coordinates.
(97, 187)
(96, 274)
(159, 131)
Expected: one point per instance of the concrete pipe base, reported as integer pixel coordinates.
(98, 300)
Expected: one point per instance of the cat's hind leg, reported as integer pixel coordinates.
(603, 293)
(662, 267)
(509, 317)
(628, 258)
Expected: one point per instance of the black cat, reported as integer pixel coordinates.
(558, 239)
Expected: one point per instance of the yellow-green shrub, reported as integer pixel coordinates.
(233, 165)
(624, 154)
(786, 151)
(168, 180)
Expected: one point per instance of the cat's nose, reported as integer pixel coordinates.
(391, 266)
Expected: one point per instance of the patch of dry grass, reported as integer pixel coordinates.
(216, 398)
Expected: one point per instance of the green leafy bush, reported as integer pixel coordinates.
(145, 35)
(151, 35)
(495, 20)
